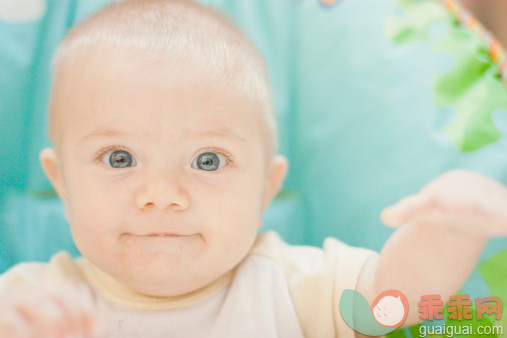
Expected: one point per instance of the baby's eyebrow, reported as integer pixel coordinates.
(108, 132)
(221, 133)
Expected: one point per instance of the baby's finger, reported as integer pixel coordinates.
(77, 307)
(54, 309)
(475, 224)
(50, 319)
(41, 314)
(14, 325)
(496, 211)
(403, 211)
(89, 307)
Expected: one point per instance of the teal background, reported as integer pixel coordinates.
(357, 120)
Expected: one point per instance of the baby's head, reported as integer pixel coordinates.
(164, 143)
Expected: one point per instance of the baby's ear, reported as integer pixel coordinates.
(51, 164)
(274, 179)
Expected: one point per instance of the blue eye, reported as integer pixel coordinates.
(118, 159)
(209, 161)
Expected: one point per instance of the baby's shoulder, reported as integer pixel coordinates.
(295, 259)
(60, 267)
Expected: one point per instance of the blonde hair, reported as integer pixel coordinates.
(178, 28)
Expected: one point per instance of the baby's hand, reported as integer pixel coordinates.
(46, 310)
(458, 198)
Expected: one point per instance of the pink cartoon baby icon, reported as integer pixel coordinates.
(390, 308)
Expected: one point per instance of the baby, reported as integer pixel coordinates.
(165, 157)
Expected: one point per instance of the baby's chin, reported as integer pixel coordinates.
(156, 288)
(167, 282)
(160, 276)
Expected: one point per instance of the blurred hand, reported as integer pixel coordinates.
(47, 310)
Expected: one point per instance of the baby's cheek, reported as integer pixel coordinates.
(90, 221)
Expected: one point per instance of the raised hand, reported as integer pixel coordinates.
(459, 198)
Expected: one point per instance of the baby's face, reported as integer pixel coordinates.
(163, 173)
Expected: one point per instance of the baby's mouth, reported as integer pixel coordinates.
(158, 234)
(161, 238)
(164, 234)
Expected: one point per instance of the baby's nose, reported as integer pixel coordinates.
(162, 190)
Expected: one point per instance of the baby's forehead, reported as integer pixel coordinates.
(155, 32)
(116, 88)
